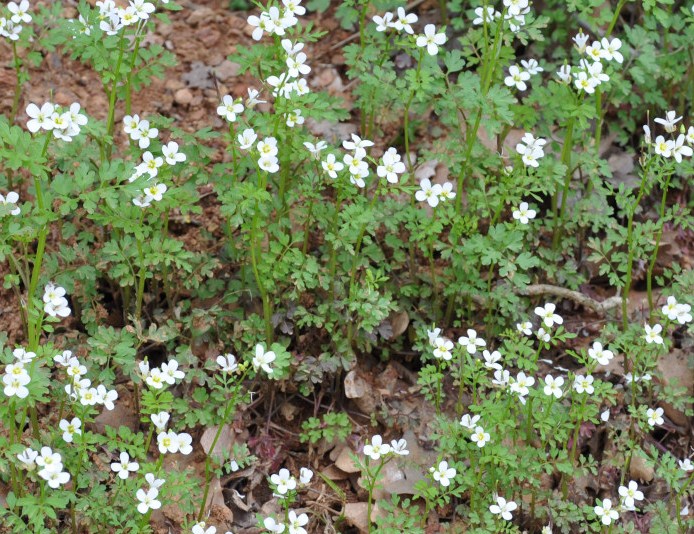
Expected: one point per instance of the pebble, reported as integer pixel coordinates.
(183, 96)
(227, 69)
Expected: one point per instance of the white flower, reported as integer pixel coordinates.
(532, 66)
(428, 192)
(390, 166)
(267, 147)
(522, 383)
(630, 494)
(290, 48)
(491, 359)
(357, 143)
(517, 78)
(680, 149)
(293, 118)
(28, 458)
(433, 335)
(503, 508)
(548, 316)
(376, 448)
(253, 99)
(553, 386)
(156, 379)
(296, 65)
(305, 475)
(227, 362)
(331, 166)
(610, 49)
(199, 528)
(480, 437)
(594, 69)
(595, 51)
(55, 478)
(283, 481)
(531, 149)
(443, 474)
(684, 313)
(106, 397)
(686, 465)
(471, 341)
(485, 15)
(273, 526)
(11, 200)
(542, 335)
(403, 21)
(171, 372)
(605, 416)
(525, 328)
(49, 460)
(501, 378)
(144, 134)
(268, 164)
(399, 447)
(316, 149)
(15, 385)
(584, 83)
(443, 348)
(663, 147)
(154, 192)
(584, 384)
(669, 121)
(581, 40)
(446, 192)
(185, 443)
(523, 214)
(19, 11)
(148, 500)
(263, 359)
(167, 442)
(606, 513)
(261, 24)
(70, 428)
(653, 334)
(153, 481)
(247, 139)
(229, 108)
(40, 118)
(602, 356)
(150, 164)
(131, 124)
(655, 417)
(670, 309)
(384, 22)
(160, 419)
(297, 522)
(469, 421)
(564, 73)
(125, 466)
(431, 40)
(171, 153)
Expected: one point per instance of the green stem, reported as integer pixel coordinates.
(615, 17)
(128, 82)
(18, 84)
(112, 96)
(142, 274)
(559, 213)
(654, 257)
(255, 252)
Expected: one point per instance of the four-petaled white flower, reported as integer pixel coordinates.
(517, 78)
(297, 523)
(584, 384)
(228, 363)
(431, 40)
(491, 359)
(601, 355)
(471, 341)
(669, 121)
(70, 428)
(443, 348)
(443, 474)
(549, 318)
(262, 359)
(655, 417)
(553, 386)
(428, 192)
(376, 448)
(283, 481)
(653, 334)
(469, 421)
(125, 466)
(523, 213)
(148, 500)
(503, 508)
(606, 513)
(630, 494)
(480, 437)
(399, 447)
(229, 108)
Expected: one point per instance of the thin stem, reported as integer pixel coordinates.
(559, 213)
(112, 96)
(654, 256)
(18, 84)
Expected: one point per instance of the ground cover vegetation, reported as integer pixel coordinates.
(451, 295)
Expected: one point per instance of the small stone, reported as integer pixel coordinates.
(200, 14)
(227, 69)
(174, 84)
(183, 96)
(208, 36)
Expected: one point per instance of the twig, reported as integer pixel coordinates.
(601, 308)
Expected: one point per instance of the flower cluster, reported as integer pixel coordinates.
(676, 148)
(284, 482)
(274, 22)
(284, 485)
(676, 311)
(589, 73)
(16, 377)
(478, 436)
(11, 27)
(434, 193)
(140, 130)
(113, 18)
(531, 149)
(54, 302)
(517, 76)
(50, 464)
(514, 14)
(148, 498)
(64, 123)
(377, 449)
(80, 388)
(161, 377)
